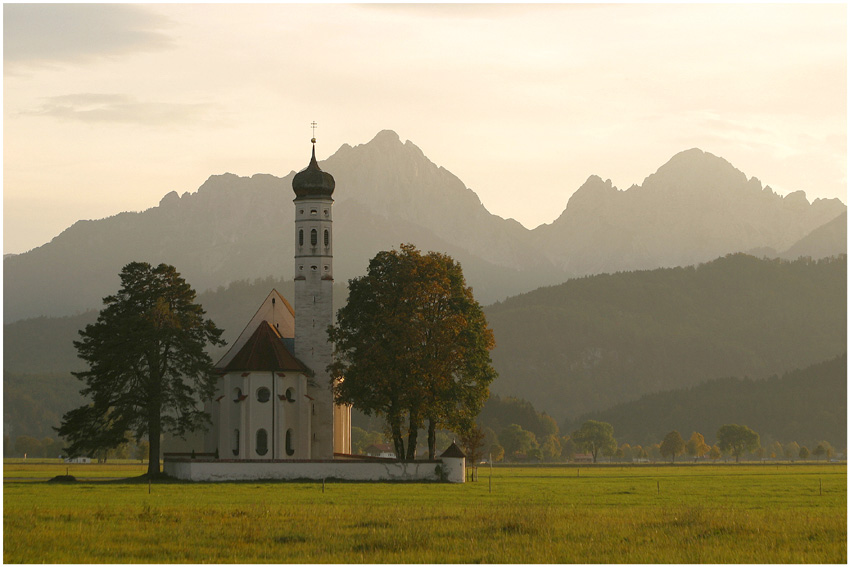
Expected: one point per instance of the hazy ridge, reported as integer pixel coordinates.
(695, 208)
(598, 341)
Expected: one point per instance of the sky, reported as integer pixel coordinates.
(108, 107)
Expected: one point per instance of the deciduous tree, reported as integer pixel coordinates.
(672, 446)
(148, 367)
(735, 439)
(472, 441)
(823, 449)
(517, 441)
(696, 446)
(714, 453)
(594, 436)
(791, 450)
(412, 345)
(551, 448)
(804, 453)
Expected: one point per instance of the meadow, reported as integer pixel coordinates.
(591, 514)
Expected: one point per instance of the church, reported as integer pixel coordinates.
(273, 414)
(274, 398)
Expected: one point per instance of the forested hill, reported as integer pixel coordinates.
(807, 406)
(598, 341)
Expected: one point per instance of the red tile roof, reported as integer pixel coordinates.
(265, 351)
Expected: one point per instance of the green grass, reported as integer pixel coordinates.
(645, 514)
(43, 469)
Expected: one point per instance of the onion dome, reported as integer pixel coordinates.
(312, 181)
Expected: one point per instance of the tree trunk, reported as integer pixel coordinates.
(398, 442)
(154, 431)
(412, 435)
(432, 439)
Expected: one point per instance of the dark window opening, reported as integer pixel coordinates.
(314, 237)
(327, 238)
(263, 395)
(290, 395)
(262, 442)
(300, 238)
(236, 442)
(290, 450)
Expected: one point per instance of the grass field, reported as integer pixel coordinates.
(593, 514)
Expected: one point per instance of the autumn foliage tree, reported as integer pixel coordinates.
(696, 446)
(148, 367)
(412, 345)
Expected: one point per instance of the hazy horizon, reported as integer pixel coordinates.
(110, 107)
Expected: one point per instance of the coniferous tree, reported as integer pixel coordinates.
(147, 364)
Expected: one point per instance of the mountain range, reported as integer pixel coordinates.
(696, 207)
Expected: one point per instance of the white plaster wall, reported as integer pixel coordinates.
(313, 315)
(454, 469)
(187, 469)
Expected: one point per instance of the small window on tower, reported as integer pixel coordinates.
(314, 237)
(300, 238)
(263, 395)
(327, 213)
(327, 269)
(314, 268)
(327, 238)
(313, 212)
(290, 395)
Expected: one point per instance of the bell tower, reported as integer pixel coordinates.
(314, 305)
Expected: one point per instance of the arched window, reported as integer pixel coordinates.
(236, 442)
(327, 238)
(237, 394)
(262, 442)
(290, 449)
(263, 395)
(314, 237)
(290, 395)
(300, 238)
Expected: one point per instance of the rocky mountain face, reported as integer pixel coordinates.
(696, 207)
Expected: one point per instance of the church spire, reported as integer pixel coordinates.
(312, 181)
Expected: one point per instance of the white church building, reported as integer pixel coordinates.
(273, 415)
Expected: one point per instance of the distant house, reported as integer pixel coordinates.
(383, 450)
(583, 458)
(78, 460)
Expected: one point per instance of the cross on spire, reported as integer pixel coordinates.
(313, 126)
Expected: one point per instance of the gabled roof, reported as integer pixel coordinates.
(276, 311)
(264, 351)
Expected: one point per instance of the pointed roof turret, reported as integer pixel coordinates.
(453, 452)
(312, 181)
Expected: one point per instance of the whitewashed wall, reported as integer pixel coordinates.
(189, 469)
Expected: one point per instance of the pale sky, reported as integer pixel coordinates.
(108, 107)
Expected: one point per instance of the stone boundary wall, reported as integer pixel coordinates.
(229, 470)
